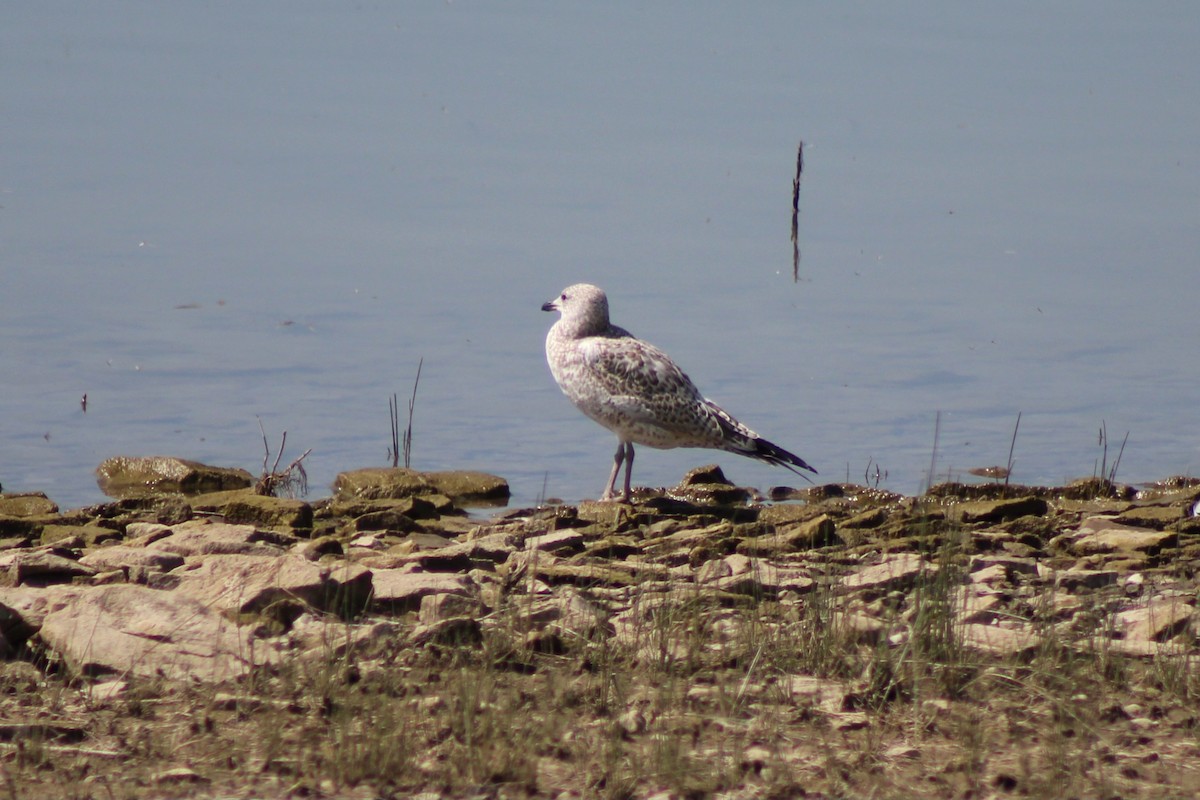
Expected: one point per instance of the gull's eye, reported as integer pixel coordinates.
(564, 296)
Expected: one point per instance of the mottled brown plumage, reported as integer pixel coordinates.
(636, 390)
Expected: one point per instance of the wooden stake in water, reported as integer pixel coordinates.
(796, 213)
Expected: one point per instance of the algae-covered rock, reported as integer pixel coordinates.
(85, 535)
(379, 483)
(706, 475)
(461, 486)
(244, 507)
(30, 504)
(708, 485)
(467, 487)
(138, 476)
(1092, 488)
(385, 520)
(412, 507)
(1002, 510)
(818, 531)
(1152, 516)
(712, 494)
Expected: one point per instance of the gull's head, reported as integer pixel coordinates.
(583, 307)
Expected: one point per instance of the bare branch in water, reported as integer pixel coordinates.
(291, 481)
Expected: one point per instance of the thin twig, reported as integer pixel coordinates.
(749, 671)
(279, 455)
(1112, 477)
(937, 432)
(412, 402)
(394, 415)
(1012, 445)
(1104, 453)
(266, 447)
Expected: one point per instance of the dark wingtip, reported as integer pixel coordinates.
(738, 438)
(774, 454)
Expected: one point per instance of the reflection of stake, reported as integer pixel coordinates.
(796, 213)
(796, 181)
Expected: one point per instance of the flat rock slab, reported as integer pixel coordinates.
(246, 584)
(977, 607)
(451, 558)
(898, 571)
(1012, 565)
(131, 629)
(23, 609)
(400, 590)
(807, 690)
(739, 574)
(320, 638)
(998, 641)
(1001, 510)
(127, 558)
(1099, 535)
(619, 574)
(202, 537)
(1154, 516)
(567, 540)
(1075, 579)
(41, 567)
(1159, 619)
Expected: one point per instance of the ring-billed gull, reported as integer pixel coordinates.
(636, 391)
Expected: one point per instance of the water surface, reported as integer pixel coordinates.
(272, 211)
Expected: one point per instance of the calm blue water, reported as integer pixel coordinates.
(999, 214)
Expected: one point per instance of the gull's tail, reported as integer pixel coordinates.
(737, 438)
(774, 454)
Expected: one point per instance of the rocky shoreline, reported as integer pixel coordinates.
(847, 612)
